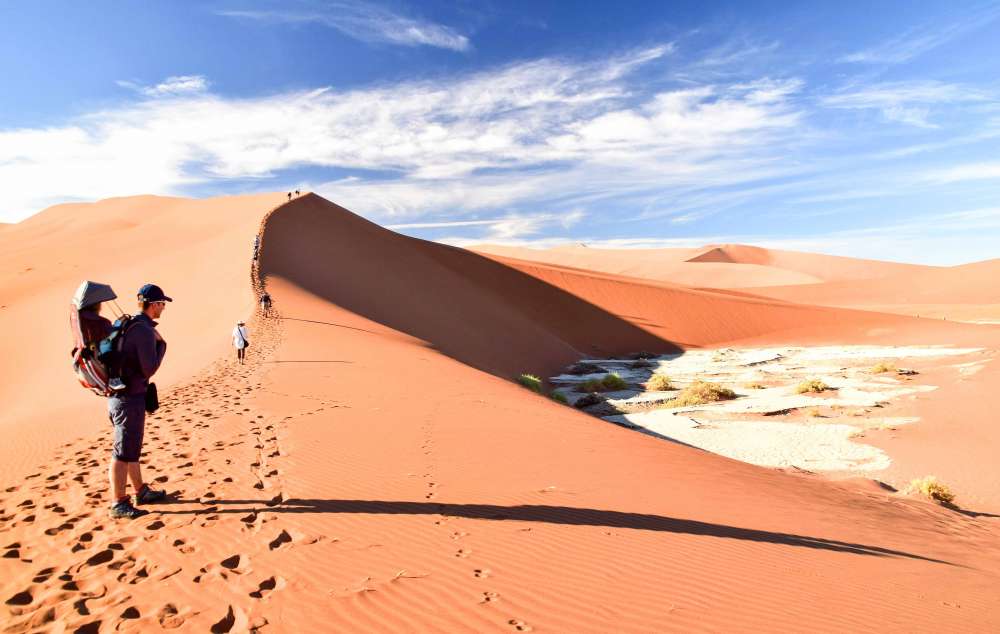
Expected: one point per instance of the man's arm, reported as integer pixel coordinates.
(149, 349)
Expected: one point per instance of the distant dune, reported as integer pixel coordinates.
(713, 266)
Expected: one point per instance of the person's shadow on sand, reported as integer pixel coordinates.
(545, 514)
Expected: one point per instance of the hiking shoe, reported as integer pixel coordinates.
(149, 496)
(124, 509)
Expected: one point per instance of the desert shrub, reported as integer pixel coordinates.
(812, 385)
(559, 397)
(929, 487)
(609, 383)
(879, 368)
(701, 392)
(659, 383)
(753, 385)
(814, 412)
(588, 400)
(531, 382)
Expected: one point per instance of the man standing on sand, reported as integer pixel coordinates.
(142, 352)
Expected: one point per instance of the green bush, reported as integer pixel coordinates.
(559, 397)
(531, 382)
(608, 383)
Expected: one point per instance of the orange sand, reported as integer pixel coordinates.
(373, 467)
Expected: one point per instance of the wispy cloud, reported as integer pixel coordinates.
(908, 102)
(919, 40)
(965, 172)
(547, 131)
(363, 21)
(171, 86)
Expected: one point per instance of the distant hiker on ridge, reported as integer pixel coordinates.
(289, 195)
(142, 352)
(265, 303)
(296, 192)
(240, 341)
(256, 246)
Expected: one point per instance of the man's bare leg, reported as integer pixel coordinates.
(117, 473)
(135, 475)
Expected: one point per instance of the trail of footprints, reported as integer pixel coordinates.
(486, 597)
(108, 558)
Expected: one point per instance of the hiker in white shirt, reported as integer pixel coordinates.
(240, 341)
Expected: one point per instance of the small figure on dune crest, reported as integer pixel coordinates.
(296, 192)
(256, 246)
(265, 304)
(289, 195)
(240, 341)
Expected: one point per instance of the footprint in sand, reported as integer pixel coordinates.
(490, 597)
(169, 617)
(267, 586)
(463, 552)
(519, 625)
(279, 541)
(237, 563)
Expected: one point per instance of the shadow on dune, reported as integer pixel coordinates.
(549, 515)
(471, 308)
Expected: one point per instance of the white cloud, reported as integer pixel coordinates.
(171, 86)
(907, 102)
(919, 40)
(543, 129)
(362, 21)
(966, 172)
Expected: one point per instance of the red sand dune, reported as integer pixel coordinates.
(713, 266)
(966, 284)
(373, 468)
(196, 250)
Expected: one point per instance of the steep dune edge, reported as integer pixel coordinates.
(199, 251)
(508, 316)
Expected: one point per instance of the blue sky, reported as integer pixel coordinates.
(862, 129)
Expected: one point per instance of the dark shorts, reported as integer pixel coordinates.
(128, 417)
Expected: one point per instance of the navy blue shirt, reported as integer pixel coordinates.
(143, 352)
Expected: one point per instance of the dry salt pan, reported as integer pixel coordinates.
(738, 428)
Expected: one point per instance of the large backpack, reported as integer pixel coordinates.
(98, 364)
(97, 355)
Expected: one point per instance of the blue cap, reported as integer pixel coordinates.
(152, 293)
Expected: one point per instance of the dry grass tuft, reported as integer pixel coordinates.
(753, 385)
(812, 385)
(929, 487)
(814, 412)
(609, 383)
(701, 392)
(531, 382)
(659, 383)
(880, 368)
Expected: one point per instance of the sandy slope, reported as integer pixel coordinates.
(967, 292)
(198, 251)
(373, 469)
(719, 266)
